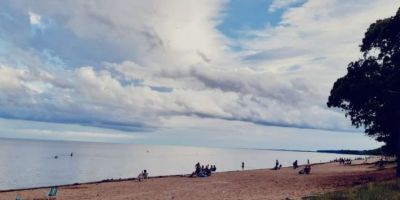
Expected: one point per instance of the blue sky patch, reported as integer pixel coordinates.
(248, 15)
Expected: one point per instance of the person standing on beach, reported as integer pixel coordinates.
(276, 165)
(308, 161)
(242, 165)
(295, 165)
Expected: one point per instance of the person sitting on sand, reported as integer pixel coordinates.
(197, 167)
(202, 173)
(207, 171)
(302, 171)
(306, 170)
(140, 176)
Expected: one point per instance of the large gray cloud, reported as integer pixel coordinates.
(130, 64)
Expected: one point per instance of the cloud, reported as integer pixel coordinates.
(34, 18)
(148, 32)
(130, 65)
(280, 4)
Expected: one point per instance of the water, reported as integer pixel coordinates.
(29, 163)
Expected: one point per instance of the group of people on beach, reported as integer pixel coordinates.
(305, 170)
(143, 175)
(343, 161)
(201, 171)
(205, 171)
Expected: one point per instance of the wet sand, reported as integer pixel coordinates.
(246, 185)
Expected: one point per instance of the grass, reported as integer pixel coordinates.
(386, 190)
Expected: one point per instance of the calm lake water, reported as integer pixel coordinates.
(30, 163)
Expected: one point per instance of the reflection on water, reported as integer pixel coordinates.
(28, 163)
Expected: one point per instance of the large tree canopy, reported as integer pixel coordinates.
(370, 91)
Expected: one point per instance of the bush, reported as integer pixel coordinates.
(387, 190)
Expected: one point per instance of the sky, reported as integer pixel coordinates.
(224, 73)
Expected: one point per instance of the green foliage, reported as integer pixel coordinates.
(370, 91)
(388, 190)
(377, 151)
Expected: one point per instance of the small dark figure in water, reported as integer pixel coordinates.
(72, 154)
(55, 157)
(242, 165)
(145, 174)
(295, 164)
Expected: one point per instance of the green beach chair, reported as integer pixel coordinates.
(18, 198)
(52, 194)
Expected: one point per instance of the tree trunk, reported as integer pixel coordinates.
(398, 166)
(398, 154)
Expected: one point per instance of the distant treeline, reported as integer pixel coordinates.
(377, 151)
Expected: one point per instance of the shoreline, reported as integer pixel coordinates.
(157, 177)
(251, 184)
(135, 179)
(94, 182)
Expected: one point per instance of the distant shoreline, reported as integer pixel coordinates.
(216, 147)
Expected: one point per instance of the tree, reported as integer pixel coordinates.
(370, 91)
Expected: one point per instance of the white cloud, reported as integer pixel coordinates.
(34, 18)
(280, 4)
(10, 78)
(150, 32)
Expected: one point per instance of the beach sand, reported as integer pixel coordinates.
(246, 185)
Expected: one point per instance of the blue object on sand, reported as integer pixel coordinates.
(52, 193)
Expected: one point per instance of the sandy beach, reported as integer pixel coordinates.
(246, 185)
